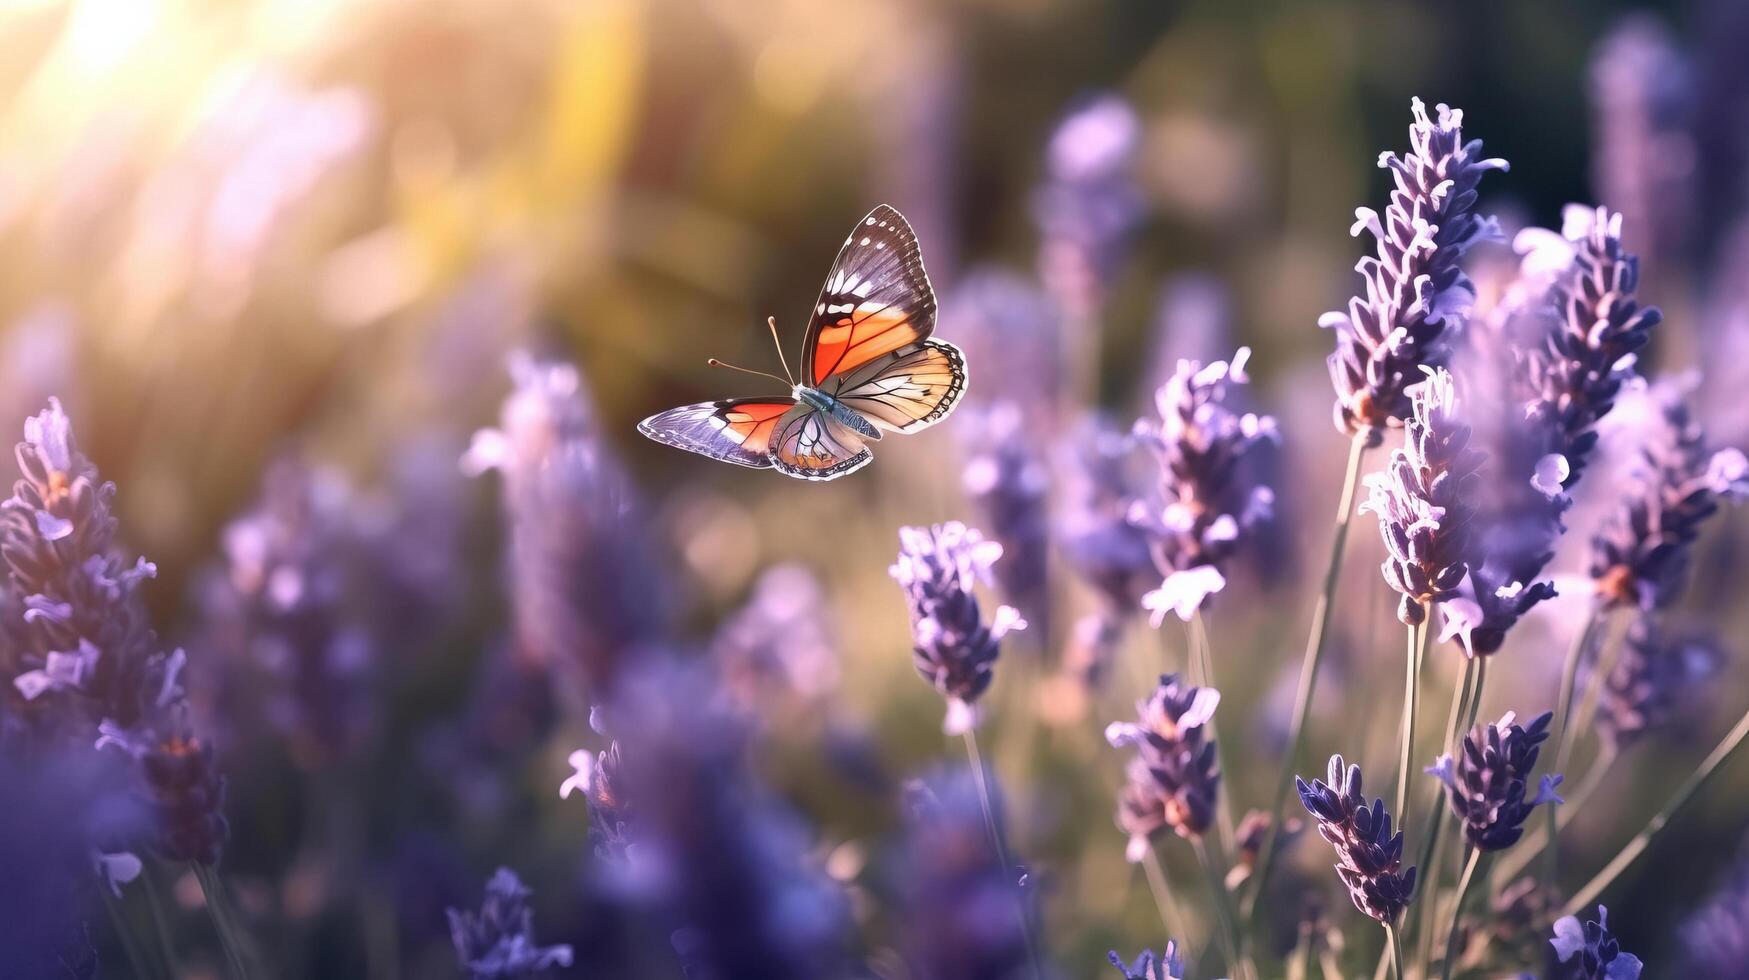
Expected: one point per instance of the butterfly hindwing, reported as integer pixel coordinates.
(810, 445)
(907, 390)
(877, 299)
(735, 430)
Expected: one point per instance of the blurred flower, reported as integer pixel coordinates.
(1654, 677)
(778, 648)
(1368, 855)
(957, 908)
(953, 649)
(1008, 480)
(85, 660)
(1011, 330)
(1589, 952)
(1715, 939)
(597, 777)
(1167, 966)
(1172, 779)
(586, 589)
(1423, 501)
(1641, 556)
(497, 943)
(1093, 526)
(1088, 204)
(1248, 840)
(1415, 286)
(1521, 916)
(1206, 509)
(1486, 783)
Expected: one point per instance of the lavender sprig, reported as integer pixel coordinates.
(1415, 286)
(957, 917)
(953, 649)
(1007, 478)
(1486, 784)
(1589, 951)
(1369, 856)
(1206, 508)
(1423, 501)
(1087, 206)
(1167, 966)
(1715, 939)
(1655, 674)
(1172, 779)
(497, 943)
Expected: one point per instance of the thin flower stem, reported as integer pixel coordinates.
(1314, 657)
(1200, 656)
(977, 760)
(1569, 677)
(1411, 704)
(1692, 785)
(1395, 943)
(1462, 693)
(160, 922)
(1170, 914)
(130, 943)
(1571, 727)
(1473, 857)
(1223, 902)
(1532, 845)
(1606, 658)
(218, 909)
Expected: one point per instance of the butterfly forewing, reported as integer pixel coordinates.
(735, 430)
(877, 300)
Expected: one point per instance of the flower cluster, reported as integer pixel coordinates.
(778, 648)
(1007, 478)
(1415, 286)
(1172, 778)
(1369, 856)
(954, 650)
(88, 666)
(497, 943)
(1423, 501)
(1167, 966)
(1641, 557)
(1654, 674)
(1715, 939)
(1589, 952)
(1087, 206)
(1486, 784)
(959, 917)
(1206, 507)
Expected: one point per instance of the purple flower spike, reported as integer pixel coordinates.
(1486, 784)
(1167, 966)
(1415, 287)
(1172, 779)
(953, 649)
(1588, 951)
(497, 943)
(1369, 856)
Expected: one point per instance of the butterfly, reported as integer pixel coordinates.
(868, 366)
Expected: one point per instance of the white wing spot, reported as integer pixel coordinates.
(878, 245)
(850, 285)
(870, 221)
(860, 289)
(819, 307)
(864, 240)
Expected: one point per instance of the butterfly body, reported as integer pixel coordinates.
(869, 366)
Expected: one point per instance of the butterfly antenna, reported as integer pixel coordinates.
(713, 362)
(771, 322)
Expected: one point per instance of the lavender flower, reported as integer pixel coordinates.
(1715, 939)
(497, 943)
(1415, 286)
(957, 906)
(586, 590)
(1011, 330)
(1486, 783)
(1093, 527)
(1369, 856)
(1172, 778)
(1423, 501)
(1522, 914)
(1008, 481)
(1167, 966)
(1654, 676)
(778, 649)
(1248, 839)
(1589, 952)
(1641, 557)
(598, 778)
(953, 649)
(1206, 510)
(1087, 206)
(86, 663)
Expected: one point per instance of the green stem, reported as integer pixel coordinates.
(1313, 658)
(1395, 943)
(218, 909)
(160, 922)
(1199, 655)
(1474, 857)
(130, 944)
(1571, 727)
(1411, 704)
(1569, 678)
(1164, 903)
(977, 761)
(1462, 694)
(1692, 785)
(1222, 899)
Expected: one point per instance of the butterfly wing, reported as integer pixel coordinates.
(736, 430)
(811, 445)
(907, 390)
(877, 300)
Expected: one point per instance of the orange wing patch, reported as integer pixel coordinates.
(867, 332)
(750, 424)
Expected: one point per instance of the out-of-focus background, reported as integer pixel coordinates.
(288, 247)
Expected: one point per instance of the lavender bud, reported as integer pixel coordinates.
(1206, 507)
(497, 943)
(1423, 501)
(1369, 856)
(1415, 286)
(953, 650)
(1589, 952)
(1172, 778)
(1486, 783)
(1167, 966)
